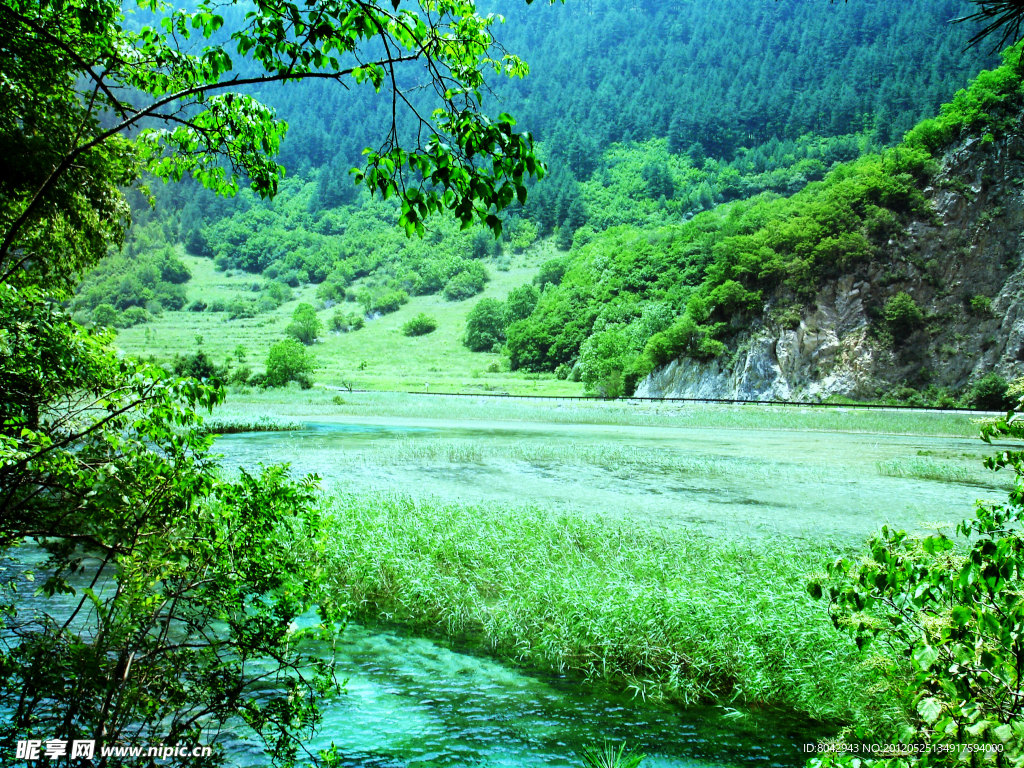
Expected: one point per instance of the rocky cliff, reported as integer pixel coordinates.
(962, 266)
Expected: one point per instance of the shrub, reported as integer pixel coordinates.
(683, 337)
(463, 286)
(731, 298)
(173, 269)
(980, 305)
(288, 361)
(241, 375)
(170, 296)
(133, 316)
(521, 234)
(389, 302)
(241, 308)
(420, 325)
(197, 366)
(265, 304)
(991, 393)
(551, 272)
(278, 291)
(520, 303)
(485, 325)
(197, 306)
(305, 325)
(902, 314)
(610, 386)
(105, 316)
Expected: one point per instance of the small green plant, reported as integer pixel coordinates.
(609, 757)
(980, 305)
(991, 393)
(902, 315)
(338, 400)
(420, 325)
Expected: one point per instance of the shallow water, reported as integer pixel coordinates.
(414, 702)
(720, 481)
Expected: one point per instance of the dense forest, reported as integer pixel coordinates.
(680, 107)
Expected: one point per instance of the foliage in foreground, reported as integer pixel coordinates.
(679, 616)
(170, 596)
(952, 606)
(167, 595)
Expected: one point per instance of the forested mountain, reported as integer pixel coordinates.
(733, 73)
(727, 74)
(647, 114)
(724, 75)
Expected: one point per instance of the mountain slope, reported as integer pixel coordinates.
(938, 304)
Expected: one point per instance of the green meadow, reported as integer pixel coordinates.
(378, 356)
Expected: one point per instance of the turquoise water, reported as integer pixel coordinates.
(727, 482)
(414, 702)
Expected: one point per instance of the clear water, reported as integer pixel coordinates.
(413, 702)
(794, 483)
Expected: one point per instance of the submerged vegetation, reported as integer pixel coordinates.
(945, 472)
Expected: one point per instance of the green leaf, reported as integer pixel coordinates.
(961, 615)
(925, 657)
(929, 709)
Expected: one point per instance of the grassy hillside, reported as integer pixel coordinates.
(378, 356)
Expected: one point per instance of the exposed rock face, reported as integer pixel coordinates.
(971, 249)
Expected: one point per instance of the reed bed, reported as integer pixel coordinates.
(941, 471)
(671, 615)
(612, 457)
(233, 423)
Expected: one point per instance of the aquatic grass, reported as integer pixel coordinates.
(941, 471)
(610, 757)
(667, 614)
(623, 461)
(620, 458)
(222, 423)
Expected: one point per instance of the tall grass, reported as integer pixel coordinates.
(673, 615)
(944, 472)
(222, 423)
